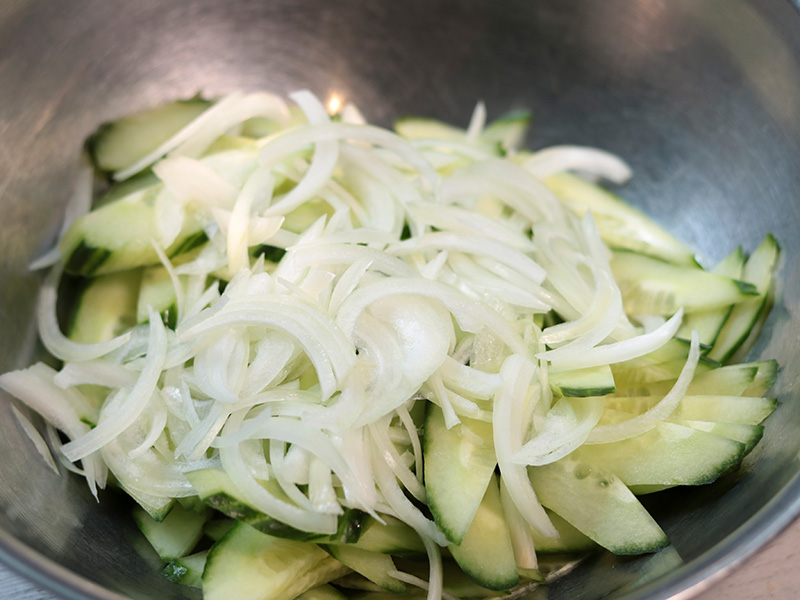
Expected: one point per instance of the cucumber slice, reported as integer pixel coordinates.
(395, 538)
(322, 592)
(215, 488)
(217, 528)
(732, 380)
(249, 565)
(570, 540)
(669, 454)
(121, 143)
(652, 286)
(157, 507)
(749, 435)
(599, 505)
(117, 237)
(187, 570)
(485, 552)
(417, 128)
(158, 292)
(757, 271)
(764, 378)
(459, 464)
(583, 383)
(708, 323)
(509, 131)
(372, 565)
(620, 225)
(176, 535)
(105, 308)
(745, 410)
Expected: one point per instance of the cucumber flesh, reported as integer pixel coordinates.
(749, 435)
(157, 292)
(215, 488)
(249, 565)
(394, 537)
(652, 286)
(708, 323)
(459, 464)
(757, 271)
(322, 592)
(669, 454)
(121, 143)
(187, 570)
(620, 225)
(583, 383)
(105, 308)
(599, 505)
(486, 553)
(745, 410)
(569, 541)
(373, 565)
(176, 535)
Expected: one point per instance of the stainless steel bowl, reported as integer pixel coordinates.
(701, 96)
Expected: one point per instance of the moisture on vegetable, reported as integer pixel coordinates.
(314, 351)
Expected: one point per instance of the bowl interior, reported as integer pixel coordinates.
(702, 97)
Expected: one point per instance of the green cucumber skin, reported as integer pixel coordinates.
(486, 554)
(457, 471)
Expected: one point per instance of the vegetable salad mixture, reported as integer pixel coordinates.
(327, 359)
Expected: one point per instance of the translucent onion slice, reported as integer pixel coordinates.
(518, 373)
(603, 434)
(591, 161)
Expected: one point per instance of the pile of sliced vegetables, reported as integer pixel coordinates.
(313, 350)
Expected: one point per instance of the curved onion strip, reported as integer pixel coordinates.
(380, 435)
(112, 423)
(517, 372)
(402, 506)
(36, 438)
(195, 137)
(646, 421)
(56, 342)
(520, 530)
(258, 496)
(326, 156)
(471, 316)
(473, 244)
(615, 352)
(561, 434)
(585, 159)
(293, 140)
(316, 442)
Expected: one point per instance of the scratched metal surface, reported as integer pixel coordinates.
(701, 96)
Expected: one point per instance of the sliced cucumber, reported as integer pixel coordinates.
(599, 505)
(249, 565)
(652, 286)
(509, 131)
(215, 488)
(187, 570)
(717, 409)
(157, 507)
(708, 323)
(217, 528)
(764, 379)
(569, 541)
(620, 225)
(394, 537)
(322, 592)
(733, 380)
(373, 565)
(121, 143)
(749, 435)
(105, 308)
(158, 292)
(582, 383)
(459, 464)
(758, 271)
(176, 535)
(486, 553)
(669, 454)
(118, 236)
